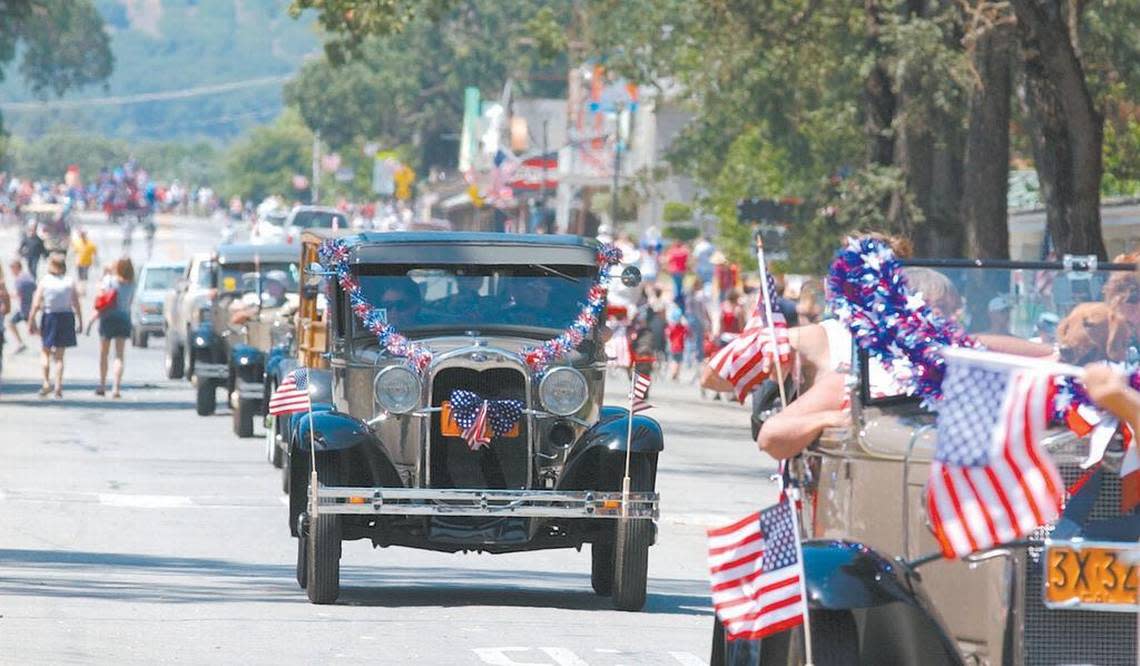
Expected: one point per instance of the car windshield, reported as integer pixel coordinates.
(1029, 305)
(243, 278)
(475, 297)
(319, 219)
(161, 279)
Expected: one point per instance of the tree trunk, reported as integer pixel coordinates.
(1066, 128)
(878, 97)
(986, 173)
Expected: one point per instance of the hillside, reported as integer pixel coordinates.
(163, 46)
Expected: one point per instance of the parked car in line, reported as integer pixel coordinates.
(875, 576)
(184, 309)
(274, 229)
(392, 463)
(229, 348)
(156, 281)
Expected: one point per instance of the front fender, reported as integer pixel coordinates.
(276, 357)
(342, 435)
(248, 362)
(601, 449)
(845, 575)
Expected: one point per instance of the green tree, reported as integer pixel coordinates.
(265, 162)
(406, 88)
(59, 44)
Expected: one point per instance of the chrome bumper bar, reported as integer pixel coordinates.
(524, 503)
(211, 370)
(250, 390)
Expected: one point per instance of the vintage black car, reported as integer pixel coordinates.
(228, 348)
(392, 463)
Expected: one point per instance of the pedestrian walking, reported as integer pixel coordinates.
(24, 285)
(32, 248)
(85, 251)
(703, 253)
(58, 300)
(699, 315)
(677, 263)
(5, 308)
(113, 312)
(676, 333)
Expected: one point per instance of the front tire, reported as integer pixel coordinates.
(324, 545)
(243, 417)
(174, 360)
(602, 568)
(632, 539)
(207, 399)
(139, 339)
(302, 559)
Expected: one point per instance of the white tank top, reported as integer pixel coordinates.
(57, 293)
(884, 381)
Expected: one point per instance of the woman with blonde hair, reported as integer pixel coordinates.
(62, 319)
(115, 324)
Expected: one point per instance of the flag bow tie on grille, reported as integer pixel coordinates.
(474, 413)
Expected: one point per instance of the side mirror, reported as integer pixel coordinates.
(631, 276)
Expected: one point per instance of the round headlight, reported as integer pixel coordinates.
(397, 389)
(563, 391)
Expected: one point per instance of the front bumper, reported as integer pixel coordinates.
(247, 390)
(213, 371)
(150, 323)
(522, 503)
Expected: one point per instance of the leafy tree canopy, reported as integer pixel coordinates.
(406, 87)
(265, 161)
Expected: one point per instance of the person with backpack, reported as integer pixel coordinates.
(113, 312)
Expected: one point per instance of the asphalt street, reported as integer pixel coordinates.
(134, 531)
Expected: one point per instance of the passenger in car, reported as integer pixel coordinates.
(1108, 389)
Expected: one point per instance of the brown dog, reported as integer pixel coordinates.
(1092, 332)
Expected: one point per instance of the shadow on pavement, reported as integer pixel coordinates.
(165, 579)
(81, 395)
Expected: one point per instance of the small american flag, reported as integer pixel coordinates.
(640, 392)
(990, 482)
(292, 394)
(476, 434)
(748, 360)
(756, 574)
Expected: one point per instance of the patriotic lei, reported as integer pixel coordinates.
(868, 292)
(334, 257)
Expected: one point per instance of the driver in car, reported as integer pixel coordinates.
(401, 301)
(529, 302)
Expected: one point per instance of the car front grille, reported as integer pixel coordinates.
(1076, 636)
(505, 462)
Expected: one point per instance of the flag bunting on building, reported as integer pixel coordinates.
(990, 482)
(756, 574)
(292, 394)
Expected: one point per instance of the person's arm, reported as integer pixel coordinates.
(33, 313)
(799, 424)
(1007, 344)
(1108, 389)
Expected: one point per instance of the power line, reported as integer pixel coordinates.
(120, 100)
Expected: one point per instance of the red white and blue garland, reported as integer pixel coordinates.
(868, 292)
(334, 253)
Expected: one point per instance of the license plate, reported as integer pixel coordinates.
(1091, 575)
(450, 428)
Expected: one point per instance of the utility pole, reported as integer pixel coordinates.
(617, 168)
(542, 196)
(316, 184)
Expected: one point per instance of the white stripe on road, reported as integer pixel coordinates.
(145, 501)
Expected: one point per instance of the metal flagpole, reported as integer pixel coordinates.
(793, 496)
(765, 297)
(313, 497)
(628, 442)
